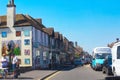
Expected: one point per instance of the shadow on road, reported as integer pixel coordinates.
(70, 67)
(112, 78)
(10, 78)
(64, 68)
(25, 78)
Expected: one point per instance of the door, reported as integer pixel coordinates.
(116, 60)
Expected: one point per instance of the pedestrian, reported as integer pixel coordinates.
(18, 67)
(4, 64)
(4, 61)
(14, 65)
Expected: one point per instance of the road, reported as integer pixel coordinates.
(80, 73)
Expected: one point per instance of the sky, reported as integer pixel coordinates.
(92, 23)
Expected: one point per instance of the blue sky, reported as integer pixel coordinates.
(91, 23)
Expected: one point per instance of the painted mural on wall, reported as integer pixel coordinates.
(27, 51)
(11, 46)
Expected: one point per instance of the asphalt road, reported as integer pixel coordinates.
(80, 73)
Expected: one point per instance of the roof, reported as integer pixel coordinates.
(102, 50)
(21, 21)
(61, 37)
(50, 31)
(65, 39)
(57, 36)
(117, 44)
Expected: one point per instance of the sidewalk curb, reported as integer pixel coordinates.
(49, 75)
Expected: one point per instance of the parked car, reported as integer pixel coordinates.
(107, 65)
(87, 60)
(78, 62)
(98, 56)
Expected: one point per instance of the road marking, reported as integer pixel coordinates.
(48, 78)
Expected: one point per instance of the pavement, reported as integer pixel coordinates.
(36, 74)
(33, 75)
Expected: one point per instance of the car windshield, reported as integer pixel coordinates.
(101, 55)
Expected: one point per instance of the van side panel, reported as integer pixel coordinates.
(116, 60)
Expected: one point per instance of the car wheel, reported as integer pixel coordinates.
(96, 69)
(107, 72)
(103, 70)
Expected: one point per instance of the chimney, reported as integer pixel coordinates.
(117, 39)
(11, 13)
(39, 20)
(76, 44)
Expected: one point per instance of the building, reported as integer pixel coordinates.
(24, 36)
(35, 45)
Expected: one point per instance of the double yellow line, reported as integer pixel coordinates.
(48, 78)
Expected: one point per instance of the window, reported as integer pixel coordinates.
(26, 33)
(118, 52)
(4, 34)
(27, 61)
(101, 55)
(27, 42)
(36, 35)
(18, 33)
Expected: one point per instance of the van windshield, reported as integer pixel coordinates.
(101, 55)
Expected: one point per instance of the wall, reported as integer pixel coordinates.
(20, 41)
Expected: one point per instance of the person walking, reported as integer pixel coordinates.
(4, 61)
(14, 65)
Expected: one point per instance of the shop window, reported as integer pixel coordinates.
(18, 33)
(4, 34)
(26, 33)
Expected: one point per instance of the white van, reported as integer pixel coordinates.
(116, 59)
